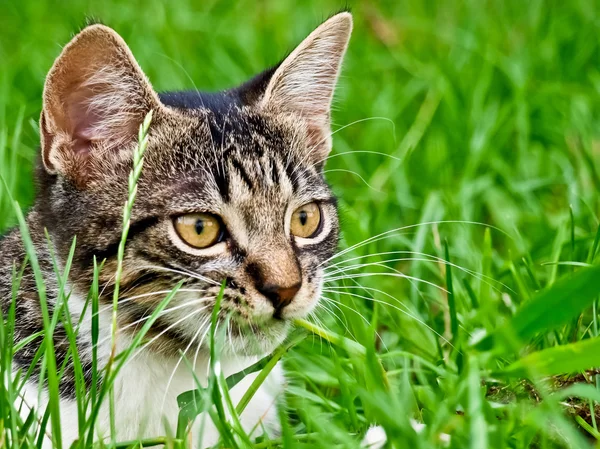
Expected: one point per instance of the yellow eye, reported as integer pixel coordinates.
(199, 230)
(306, 220)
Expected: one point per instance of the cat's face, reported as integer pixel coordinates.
(231, 191)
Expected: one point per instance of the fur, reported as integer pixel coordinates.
(250, 155)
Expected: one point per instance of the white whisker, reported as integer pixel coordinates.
(316, 146)
(334, 302)
(146, 295)
(479, 276)
(164, 312)
(343, 170)
(361, 151)
(183, 354)
(395, 274)
(390, 233)
(393, 306)
(341, 319)
(194, 313)
(183, 272)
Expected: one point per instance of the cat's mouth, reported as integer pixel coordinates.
(257, 309)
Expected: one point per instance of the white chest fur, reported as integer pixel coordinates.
(146, 391)
(146, 396)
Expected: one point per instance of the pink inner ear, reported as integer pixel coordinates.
(81, 146)
(94, 100)
(84, 121)
(85, 132)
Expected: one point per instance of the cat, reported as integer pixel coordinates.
(232, 191)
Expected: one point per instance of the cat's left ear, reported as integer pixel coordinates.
(305, 81)
(95, 98)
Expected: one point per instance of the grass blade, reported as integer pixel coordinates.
(549, 309)
(566, 359)
(451, 296)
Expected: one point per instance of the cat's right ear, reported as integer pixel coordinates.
(304, 83)
(95, 98)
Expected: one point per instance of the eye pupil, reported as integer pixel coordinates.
(199, 226)
(303, 216)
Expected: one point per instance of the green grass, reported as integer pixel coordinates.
(488, 118)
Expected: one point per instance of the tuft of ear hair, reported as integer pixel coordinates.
(305, 81)
(95, 97)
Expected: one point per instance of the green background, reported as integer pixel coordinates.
(460, 111)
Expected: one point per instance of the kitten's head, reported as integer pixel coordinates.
(232, 187)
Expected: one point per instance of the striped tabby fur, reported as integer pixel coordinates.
(249, 155)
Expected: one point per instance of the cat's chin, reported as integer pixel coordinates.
(256, 340)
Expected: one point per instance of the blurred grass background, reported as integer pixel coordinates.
(485, 111)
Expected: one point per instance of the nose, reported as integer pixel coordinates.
(279, 295)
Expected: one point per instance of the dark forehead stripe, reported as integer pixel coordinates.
(222, 180)
(246, 146)
(292, 172)
(274, 172)
(239, 168)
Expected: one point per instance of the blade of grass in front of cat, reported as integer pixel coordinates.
(215, 373)
(63, 314)
(134, 175)
(95, 330)
(8, 395)
(122, 358)
(200, 401)
(49, 354)
(270, 363)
